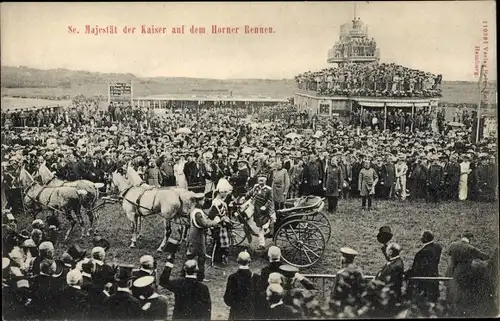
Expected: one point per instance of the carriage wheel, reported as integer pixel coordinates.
(302, 242)
(237, 233)
(322, 221)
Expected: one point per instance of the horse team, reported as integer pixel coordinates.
(138, 200)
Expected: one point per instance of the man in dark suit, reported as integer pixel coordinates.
(392, 273)
(192, 298)
(123, 305)
(94, 173)
(46, 290)
(435, 179)
(389, 177)
(277, 309)
(240, 290)
(274, 255)
(426, 264)
(103, 273)
(463, 289)
(452, 178)
(74, 303)
(154, 305)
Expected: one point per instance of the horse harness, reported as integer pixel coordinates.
(36, 199)
(137, 203)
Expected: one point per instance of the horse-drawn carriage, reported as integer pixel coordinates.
(301, 230)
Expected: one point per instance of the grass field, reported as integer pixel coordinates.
(350, 227)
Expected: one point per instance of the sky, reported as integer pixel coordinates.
(437, 37)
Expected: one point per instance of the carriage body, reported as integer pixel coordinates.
(301, 230)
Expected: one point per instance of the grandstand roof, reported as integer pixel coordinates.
(202, 97)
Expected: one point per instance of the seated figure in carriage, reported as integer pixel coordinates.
(261, 195)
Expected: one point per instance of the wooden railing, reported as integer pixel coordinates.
(332, 277)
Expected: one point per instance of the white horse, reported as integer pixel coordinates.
(138, 202)
(64, 199)
(50, 180)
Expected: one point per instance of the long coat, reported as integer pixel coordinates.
(392, 274)
(153, 176)
(281, 184)
(367, 179)
(192, 298)
(389, 174)
(312, 173)
(426, 264)
(240, 294)
(333, 180)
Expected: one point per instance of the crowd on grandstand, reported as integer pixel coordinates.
(317, 156)
(373, 80)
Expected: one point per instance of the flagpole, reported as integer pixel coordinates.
(479, 102)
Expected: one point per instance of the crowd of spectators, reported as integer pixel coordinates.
(371, 80)
(222, 143)
(83, 284)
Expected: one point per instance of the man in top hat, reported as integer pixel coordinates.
(76, 253)
(192, 297)
(349, 283)
(123, 305)
(196, 240)
(154, 305)
(384, 236)
(426, 264)
(240, 290)
(262, 196)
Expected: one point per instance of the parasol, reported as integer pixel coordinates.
(184, 130)
(456, 124)
(293, 135)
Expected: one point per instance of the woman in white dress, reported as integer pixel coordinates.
(401, 170)
(464, 176)
(180, 178)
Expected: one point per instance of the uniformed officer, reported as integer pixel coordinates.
(154, 306)
(262, 196)
(196, 246)
(349, 283)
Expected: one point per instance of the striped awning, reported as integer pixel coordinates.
(399, 104)
(370, 104)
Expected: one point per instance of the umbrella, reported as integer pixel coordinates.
(293, 135)
(247, 150)
(455, 124)
(184, 130)
(318, 134)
